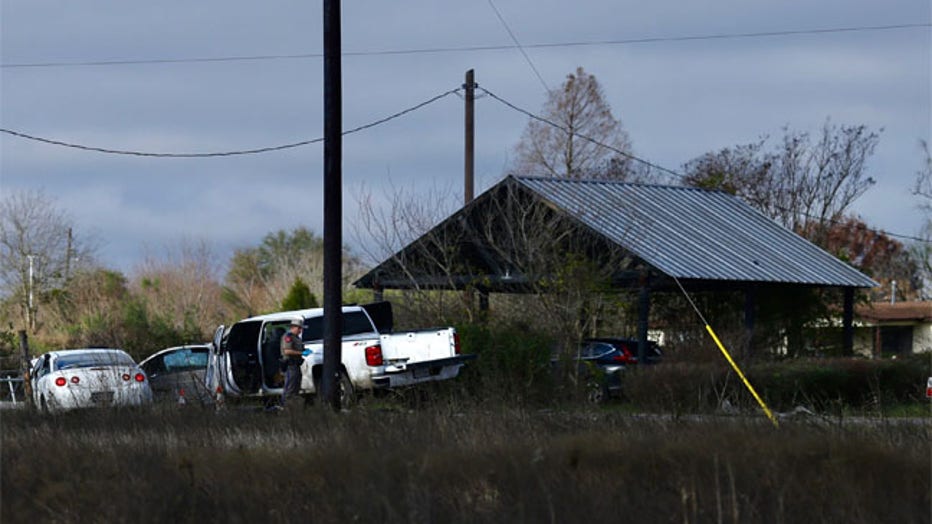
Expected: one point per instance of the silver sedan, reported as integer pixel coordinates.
(83, 378)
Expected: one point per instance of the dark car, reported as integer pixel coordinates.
(177, 374)
(601, 363)
(622, 350)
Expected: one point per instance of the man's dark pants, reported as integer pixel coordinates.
(292, 382)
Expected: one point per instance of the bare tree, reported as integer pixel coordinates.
(921, 250)
(38, 250)
(923, 186)
(181, 286)
(572, 142)
(805, 184)
(385, 223)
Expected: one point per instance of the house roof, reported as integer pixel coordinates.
(685, 233)
(884, 311)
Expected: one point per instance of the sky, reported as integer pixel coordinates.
(231, 75)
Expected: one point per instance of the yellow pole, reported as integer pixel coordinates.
(743, 378)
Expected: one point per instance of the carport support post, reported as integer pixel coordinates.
(643, 314)
(750, 300)
(847, 323)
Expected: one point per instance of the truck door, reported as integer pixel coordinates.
(271, 352)
(242, 354)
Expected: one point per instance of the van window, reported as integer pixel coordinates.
(354, 323)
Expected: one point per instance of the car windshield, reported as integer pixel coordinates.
(93, 359)
(188, 359)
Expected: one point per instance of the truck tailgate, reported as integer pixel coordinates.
(419, 346)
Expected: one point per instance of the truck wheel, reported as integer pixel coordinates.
(345, 391)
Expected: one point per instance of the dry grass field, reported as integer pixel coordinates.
(443, 462)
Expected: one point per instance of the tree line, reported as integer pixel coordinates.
(53, 286)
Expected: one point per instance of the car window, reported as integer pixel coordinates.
(87, 360)
(154, 365)
(272, 333)
(186, 359)
(596, 349)
(44, 365)
(354, 323)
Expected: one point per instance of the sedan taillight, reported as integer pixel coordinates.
(60, 381)
(140, 377)
(374, 355)
(75, 380)
(126, 377)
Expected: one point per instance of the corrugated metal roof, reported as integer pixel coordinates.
(691, 233)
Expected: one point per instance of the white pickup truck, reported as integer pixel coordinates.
(244, 359)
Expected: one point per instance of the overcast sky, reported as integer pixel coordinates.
(677, 98)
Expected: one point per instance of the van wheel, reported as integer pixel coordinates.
(345, 392)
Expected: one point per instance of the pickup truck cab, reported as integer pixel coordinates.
(244, 359)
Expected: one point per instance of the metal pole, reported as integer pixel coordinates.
(29, 320)
(469, 139)
(24, 365)
(333, 202)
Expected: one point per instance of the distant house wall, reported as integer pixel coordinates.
(894, 329)
(864, 341)
(922, 338)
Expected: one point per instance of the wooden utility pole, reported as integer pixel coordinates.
(469, 155)
(333, 203)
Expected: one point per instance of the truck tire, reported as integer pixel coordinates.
(345, 391)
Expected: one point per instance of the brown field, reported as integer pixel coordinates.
(445, 463)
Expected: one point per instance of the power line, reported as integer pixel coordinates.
(224, 153)
(515, 40)
(382, 121)
(653, 165)
(572, 133)
(468, 49)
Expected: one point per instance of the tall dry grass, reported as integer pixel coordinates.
(446, 463)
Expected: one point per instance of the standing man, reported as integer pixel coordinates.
(292, 349)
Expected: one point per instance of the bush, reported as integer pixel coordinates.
(820, 384)
(513, 362)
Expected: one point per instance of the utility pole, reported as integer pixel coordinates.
(30, 316)
(333, 203)
(469, 140)
(469, 157)
(68, 256)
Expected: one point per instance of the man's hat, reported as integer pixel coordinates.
(297, 321)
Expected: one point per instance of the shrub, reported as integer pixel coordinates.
(513, 362)
(820, 384)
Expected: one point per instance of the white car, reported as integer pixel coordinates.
(83, 378)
